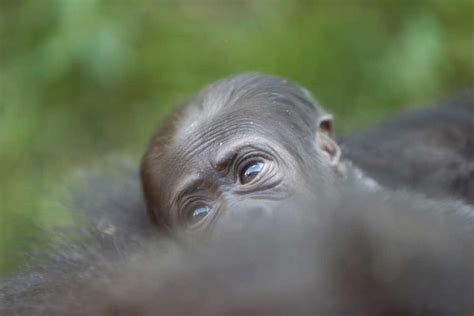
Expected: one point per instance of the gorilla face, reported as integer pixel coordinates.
(229, 163)
(248, 139)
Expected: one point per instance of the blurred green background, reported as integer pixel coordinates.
(88, 79)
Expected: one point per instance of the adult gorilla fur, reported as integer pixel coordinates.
(366, 252)
(430, 150)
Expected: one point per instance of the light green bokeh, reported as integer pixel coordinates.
(80, 80)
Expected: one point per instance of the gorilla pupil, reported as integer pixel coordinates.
(251, 171)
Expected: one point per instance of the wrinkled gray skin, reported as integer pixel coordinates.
(247, 118)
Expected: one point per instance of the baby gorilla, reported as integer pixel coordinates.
(245, 139)
(336, 243)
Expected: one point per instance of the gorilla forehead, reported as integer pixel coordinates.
(245, 105)
(229, 127)
(261, 95)
(204, 144)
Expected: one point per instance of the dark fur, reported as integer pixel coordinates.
(364, 253)
(345, 251)
(113, 222)
(431, 150)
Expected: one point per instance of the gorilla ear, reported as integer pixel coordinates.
(325, 124)
(329, 147)
(326, 143)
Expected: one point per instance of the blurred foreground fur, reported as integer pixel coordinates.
(430, 150)
(363, 253)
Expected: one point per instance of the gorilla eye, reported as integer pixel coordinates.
(250, 171)
(197, 214)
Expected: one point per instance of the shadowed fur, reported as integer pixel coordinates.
(365, 253)
(430, 150)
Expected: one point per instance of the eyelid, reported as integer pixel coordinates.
(249, 157)
(223, 163)
(186, 187)
(252, 156)
(188, 200)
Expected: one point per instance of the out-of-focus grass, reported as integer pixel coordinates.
(83, 79)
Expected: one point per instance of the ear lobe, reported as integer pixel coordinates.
(325, 141)
(330, 148)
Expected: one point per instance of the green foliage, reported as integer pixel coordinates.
(80, 79)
